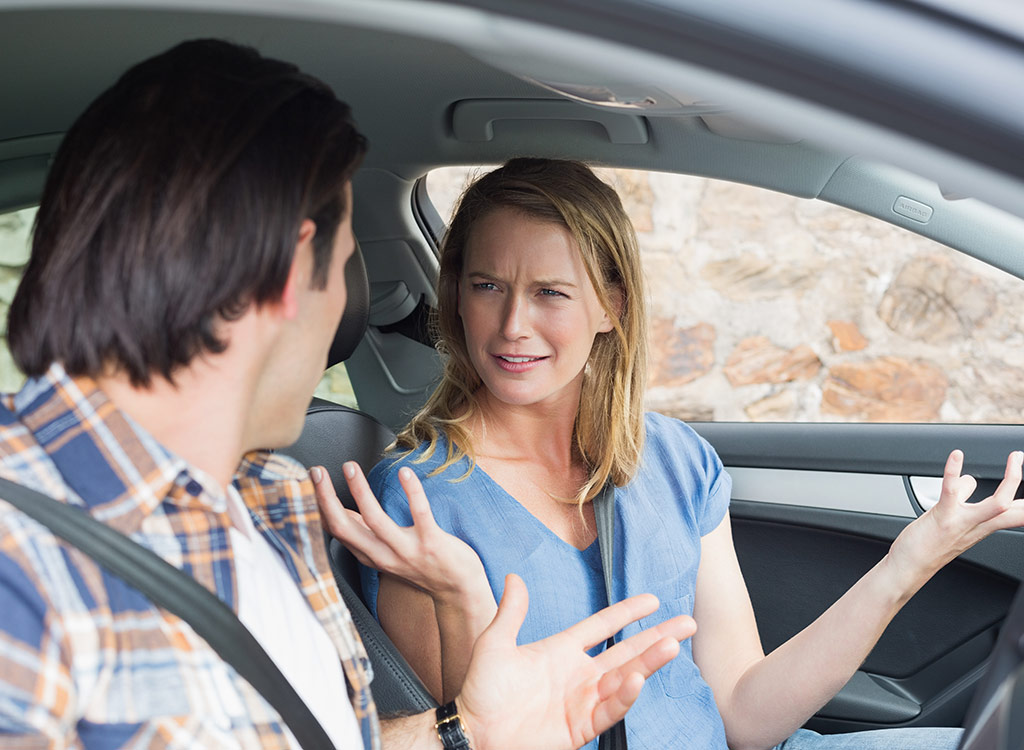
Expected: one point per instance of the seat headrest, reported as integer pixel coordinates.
(357, 310)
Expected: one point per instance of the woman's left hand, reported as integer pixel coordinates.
(953, 525)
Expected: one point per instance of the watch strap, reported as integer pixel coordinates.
(450, 729)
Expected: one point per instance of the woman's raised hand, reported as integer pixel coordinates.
(953, 525)
(423, 554)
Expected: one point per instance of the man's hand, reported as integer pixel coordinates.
(552, 694)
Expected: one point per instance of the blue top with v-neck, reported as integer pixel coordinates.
(679, 494)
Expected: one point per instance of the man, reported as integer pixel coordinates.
(187, 277)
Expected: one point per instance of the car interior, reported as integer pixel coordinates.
(436, 85)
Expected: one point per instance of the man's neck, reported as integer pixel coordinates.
(200, 417)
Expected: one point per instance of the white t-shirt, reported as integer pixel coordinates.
(271, 606)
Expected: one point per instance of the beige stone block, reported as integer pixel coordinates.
(933, 300)
(754, 277)
(679, 356)
(779, 407)
(887, 389)
(846, 336)
(758, 360)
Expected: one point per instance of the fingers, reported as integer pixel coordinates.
(998, 511)
(366, 501)
(504, 628)
(619, 688)
(616, 694)
(374, 515)
(419, 506)
(348, 526)
(636, 646)
(954, 465)
(602, 625)
(1011, 478)
(1001, 510)
(955, 488)
(343, 523)
(326, 497)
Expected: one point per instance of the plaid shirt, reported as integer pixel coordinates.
(86, 661)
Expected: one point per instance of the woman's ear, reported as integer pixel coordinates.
(616, 300)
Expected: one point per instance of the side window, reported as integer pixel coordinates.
(15, 244)
(766, 307)
(445, 186)
(335, 386)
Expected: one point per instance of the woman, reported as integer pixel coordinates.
(541, 316)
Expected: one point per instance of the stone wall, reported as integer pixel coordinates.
(766, 307)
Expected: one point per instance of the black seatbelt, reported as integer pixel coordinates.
(180, 594)
(604, 517)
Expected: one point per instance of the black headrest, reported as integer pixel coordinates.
(357, 310)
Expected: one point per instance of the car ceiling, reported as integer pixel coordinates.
(411, 93)
(401, 88)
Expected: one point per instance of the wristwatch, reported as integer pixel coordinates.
(449, 728)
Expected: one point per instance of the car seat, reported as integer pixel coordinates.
(332, 435)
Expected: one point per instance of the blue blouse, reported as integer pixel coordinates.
(680, 493)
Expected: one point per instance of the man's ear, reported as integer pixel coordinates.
(301, 271)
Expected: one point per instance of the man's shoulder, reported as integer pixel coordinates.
(15, 437)
(22, 459)
(271, 466)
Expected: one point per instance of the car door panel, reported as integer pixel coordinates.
(803, 538)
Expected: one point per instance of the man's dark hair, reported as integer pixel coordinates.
(175, 202)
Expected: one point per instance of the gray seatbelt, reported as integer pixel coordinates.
(604, 518)
(180, 594)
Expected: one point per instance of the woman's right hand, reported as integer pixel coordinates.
(424, 555)
(953, 525)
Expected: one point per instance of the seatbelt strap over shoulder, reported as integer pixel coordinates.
(604, 518)
(179, 594)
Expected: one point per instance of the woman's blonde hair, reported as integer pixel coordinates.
(609, 427)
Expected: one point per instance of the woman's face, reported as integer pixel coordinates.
(529, 311)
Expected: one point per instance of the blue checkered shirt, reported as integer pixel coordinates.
(86, 661)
